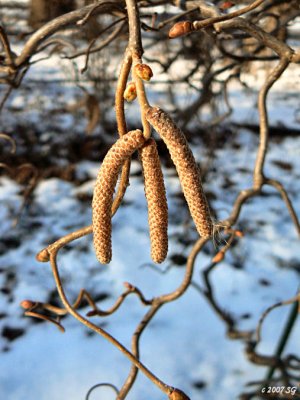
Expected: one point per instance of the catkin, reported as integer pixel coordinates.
(187, 169)
(104, 190)
(157, 201)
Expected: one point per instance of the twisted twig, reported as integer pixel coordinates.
(9, 139)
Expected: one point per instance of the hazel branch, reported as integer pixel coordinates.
(161, 385)
(92, 389)
(105, 42)
(258, 175)
(136, 49)
(122, 127)
(289, 205)
(185, 27)
(156, 304)
(271, 308)
(62, 22)
(130, 290)
(6, 46)
(119, 96)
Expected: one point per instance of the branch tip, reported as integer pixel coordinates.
(43, 256)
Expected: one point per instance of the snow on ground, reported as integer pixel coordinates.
(186, 342)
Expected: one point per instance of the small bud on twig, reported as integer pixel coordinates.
(239, 234)
(218, 257)
(128, 286)
(226, 5)
(180, 29)
(178, 395)
(43, 256)
(130, 92)
(143, 71)
(27, 304)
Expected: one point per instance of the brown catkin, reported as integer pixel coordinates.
(157, 201)
(187, 169)
(104, 190)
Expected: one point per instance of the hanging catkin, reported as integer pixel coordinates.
(157, 201)
(187, 169)
(104, 190)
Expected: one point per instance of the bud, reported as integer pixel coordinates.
(218, 257)
(27, 304)
(226, 5)
(130, 92)
(239, 234)
(180, 29)
(178, 395)
(43, 256)
(128, 285)
(143, 71)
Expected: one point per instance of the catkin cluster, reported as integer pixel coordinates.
(156, 199)
(189, 176)
(187, 169)
(104, 190)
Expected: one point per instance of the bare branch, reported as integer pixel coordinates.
(60, 23)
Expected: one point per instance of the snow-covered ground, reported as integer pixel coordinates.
(186, 344)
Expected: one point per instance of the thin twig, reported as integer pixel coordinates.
(6, 46)
(136, 49)
(9, 139)
(258, 175)
(211, 21)
(5, 97)
(289, 205)
(92, 389)
(105, 42)
(161, 385)
(156, 304)
(267, 312)
(122, 127)
(62, 22)
(100, 46)
(286, 333)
